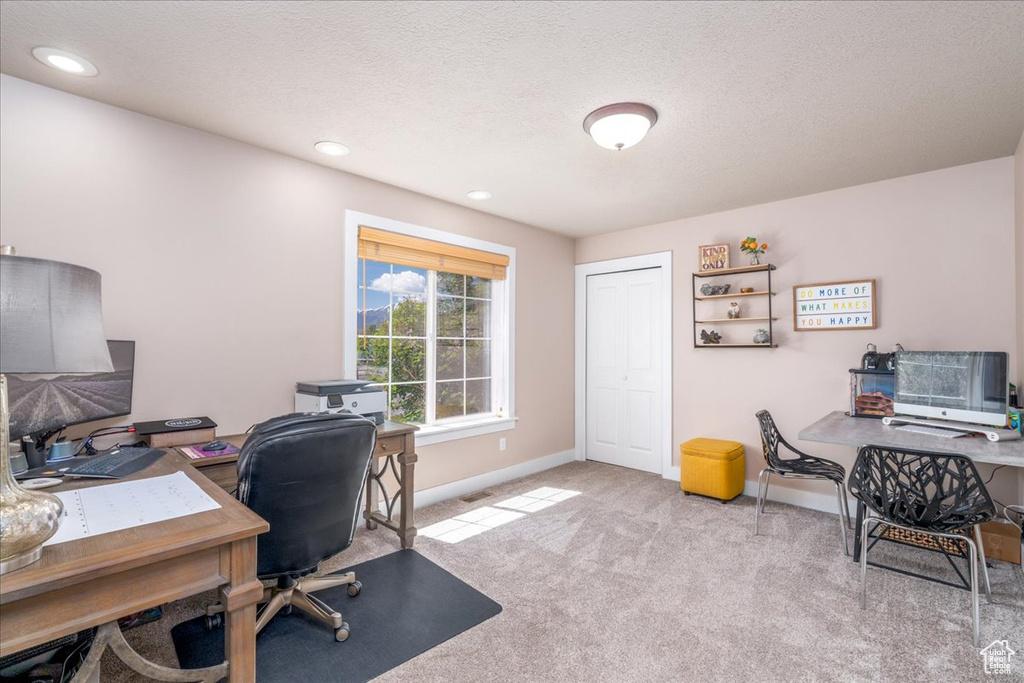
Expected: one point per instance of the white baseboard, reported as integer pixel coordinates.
(823, 502)
(461, 487)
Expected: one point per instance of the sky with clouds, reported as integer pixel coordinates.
(382, 279)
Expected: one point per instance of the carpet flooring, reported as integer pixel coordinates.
(632, 581)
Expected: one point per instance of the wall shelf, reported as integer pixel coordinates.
(736, 346)
(705, 297)
(732, 320)
(735, 271)
(767, 293)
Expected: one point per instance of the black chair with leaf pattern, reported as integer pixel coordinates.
(803, 466)
(939, 496)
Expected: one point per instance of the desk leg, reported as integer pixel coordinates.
(407, 525)
(857, 529)
(240, 598)
(372, 500)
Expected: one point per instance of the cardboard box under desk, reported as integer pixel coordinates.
(184, 438)
(1002, 541)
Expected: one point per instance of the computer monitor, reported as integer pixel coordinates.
(42, 404)
(965, 386)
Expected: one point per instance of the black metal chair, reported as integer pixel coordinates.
(803, 466)
(939, 495)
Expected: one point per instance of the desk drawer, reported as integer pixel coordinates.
(389, 445)
(224, 475)
(41, 618)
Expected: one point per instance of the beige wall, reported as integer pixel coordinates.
(224, 262)
(1018, 189)
(940, 246)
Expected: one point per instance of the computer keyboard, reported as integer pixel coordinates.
(121, 462)
(932, 431)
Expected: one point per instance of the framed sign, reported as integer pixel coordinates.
(713, 257)
(835, 306)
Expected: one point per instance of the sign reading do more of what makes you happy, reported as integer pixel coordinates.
(835, 306)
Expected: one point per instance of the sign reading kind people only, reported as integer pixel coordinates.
(835, 306)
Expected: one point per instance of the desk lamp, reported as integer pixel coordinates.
(50, 322)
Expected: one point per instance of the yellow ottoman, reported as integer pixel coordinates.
(711, 467)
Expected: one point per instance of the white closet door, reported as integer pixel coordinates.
(624, 373)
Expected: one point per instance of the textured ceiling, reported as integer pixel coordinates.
(756, 102)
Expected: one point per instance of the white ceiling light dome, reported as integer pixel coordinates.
(478, 194)
(622, 125)
(65, 61)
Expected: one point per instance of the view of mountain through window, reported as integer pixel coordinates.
(426, 338)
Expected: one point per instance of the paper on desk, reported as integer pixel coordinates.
(102, 509)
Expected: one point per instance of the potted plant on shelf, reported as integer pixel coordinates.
(751, 246)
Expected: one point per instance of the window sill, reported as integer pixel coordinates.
(427, 436)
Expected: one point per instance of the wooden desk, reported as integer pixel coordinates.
(95, 581)
(394, 457)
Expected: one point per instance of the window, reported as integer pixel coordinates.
(432, 324)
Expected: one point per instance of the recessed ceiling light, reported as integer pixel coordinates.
(479, 194)
(64, 61)
(334, 149)
(619, 126)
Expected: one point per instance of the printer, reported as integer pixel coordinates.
(336, 395)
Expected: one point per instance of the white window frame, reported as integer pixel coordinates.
(502, 312)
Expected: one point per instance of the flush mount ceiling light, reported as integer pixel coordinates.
(479, 194)
(622, 125)
(334, 149)
(64, 61)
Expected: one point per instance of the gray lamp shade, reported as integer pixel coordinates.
(51, 320)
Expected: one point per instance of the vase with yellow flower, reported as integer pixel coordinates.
(755, 249)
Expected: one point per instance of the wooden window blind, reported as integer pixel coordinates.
(392, 247)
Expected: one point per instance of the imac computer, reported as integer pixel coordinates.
(965, 386)
(42, 405)
(956, 389)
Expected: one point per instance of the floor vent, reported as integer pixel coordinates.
(474, 497)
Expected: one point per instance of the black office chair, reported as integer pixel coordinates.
(803, 466)
(304, 474)
(939, 495)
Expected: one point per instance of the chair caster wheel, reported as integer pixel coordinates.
(286, 610)
(341, 635)
(213, 621)
(354, 588)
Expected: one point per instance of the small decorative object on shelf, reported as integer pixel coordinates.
(755, 250)
(734, 310)
(711, 337)
(713, 256)
(708, 289)
(761, 336)
(746, 290)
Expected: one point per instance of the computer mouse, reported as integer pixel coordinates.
(215, 446)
